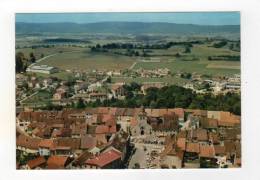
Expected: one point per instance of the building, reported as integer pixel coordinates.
(106, 160)
(57, 162)
(37, 163)
(118, 90)
(42, 69)
(139, 125)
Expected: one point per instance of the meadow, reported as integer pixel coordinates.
(86, 60)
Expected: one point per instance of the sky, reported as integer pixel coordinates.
(200, 18)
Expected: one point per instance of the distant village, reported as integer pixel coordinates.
(97, 84)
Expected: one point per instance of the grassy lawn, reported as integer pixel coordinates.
(42, 97)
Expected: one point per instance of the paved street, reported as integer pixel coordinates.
(138, 157)
(143, 157)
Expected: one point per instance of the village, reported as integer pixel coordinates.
(144, 96)
(91, 86)
(74, 137)
(105, 138)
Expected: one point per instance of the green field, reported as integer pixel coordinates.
(47, 51)
(86, 60)
(41, 98)
(200, 67)
(76, 58)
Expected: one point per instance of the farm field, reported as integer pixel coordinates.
(201, 67)
(47, 51)
(86, 60)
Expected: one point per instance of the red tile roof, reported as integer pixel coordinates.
(181, 143)
(103, 129)
(36, 162)
(104, 158)
(27, 142)
(219, 150)
(193, 147)
(207, 151)
(47, 143)
(178, 111)
(228, 119)
(57, 162)
(74, 143)
(88, 142)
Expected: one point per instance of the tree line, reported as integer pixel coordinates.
(171, 97)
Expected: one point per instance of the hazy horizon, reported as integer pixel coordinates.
(196, 18)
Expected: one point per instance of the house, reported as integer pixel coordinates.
(198, 135)
(95, 96)
(36, 163)
(59, 95)
(207, 151)
(165, 123)
(79, 161)
(181, 143)
(61, 92)
(47, 82)
(209, 123)
(46, 146)
(118, 90)
(57, 162)
(104, 132)
(73, 143)
(107, 160)
(27, 144)
(88, 142)
(179, 112)
(121, 142)
(219, 150)
(207, 157)
(171, 158)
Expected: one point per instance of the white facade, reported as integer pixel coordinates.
(42, 69)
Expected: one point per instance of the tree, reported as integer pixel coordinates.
(80, 104)
(177, 55)
(19, 65)
(98, 46)
(32, 58)
(109, 79)
(187, 49)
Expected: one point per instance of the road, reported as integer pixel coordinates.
(46, 57)
(133, 65)
(138, 157)
(21, 101)
(51, 55)
(142, 157)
